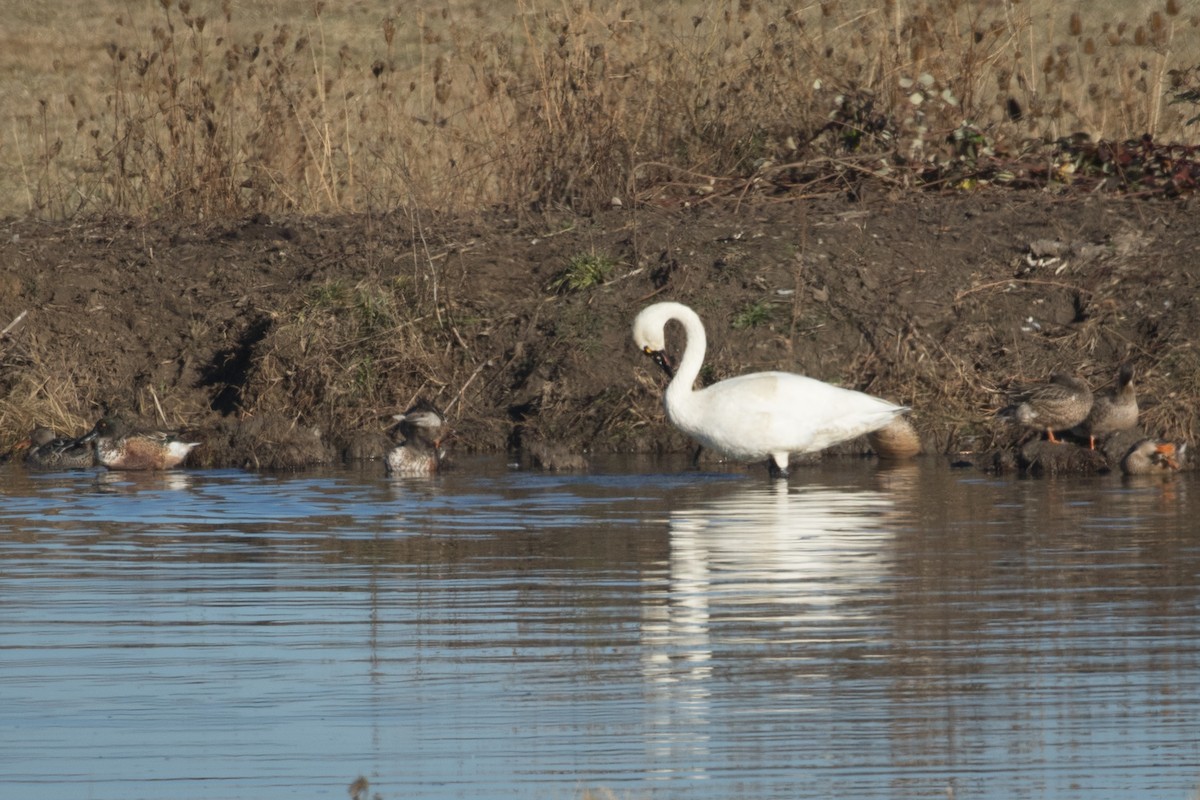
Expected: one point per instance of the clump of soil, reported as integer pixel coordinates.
(262, 442)
(292, 342)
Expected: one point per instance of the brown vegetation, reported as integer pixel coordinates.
(197, 109)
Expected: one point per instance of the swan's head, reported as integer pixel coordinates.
(649, 334)
(649, 328)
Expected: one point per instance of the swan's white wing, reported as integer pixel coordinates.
(752, 416)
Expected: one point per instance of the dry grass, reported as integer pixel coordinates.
(198, 110)
(335, 346)
(34, 392)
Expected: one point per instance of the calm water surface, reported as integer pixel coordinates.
(917, 632)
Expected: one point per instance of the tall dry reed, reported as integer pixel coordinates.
(201, 114)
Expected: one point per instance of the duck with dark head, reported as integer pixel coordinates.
(121, 446)
(45, 451)
(421, 451)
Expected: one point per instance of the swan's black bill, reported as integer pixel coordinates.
(663, 360)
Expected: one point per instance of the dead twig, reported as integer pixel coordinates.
(474, 375)
(158, 405)
(13, 324)
(1028, 281)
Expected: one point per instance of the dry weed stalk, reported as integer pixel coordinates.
(340, 351)
(573, 105)
(34, 391)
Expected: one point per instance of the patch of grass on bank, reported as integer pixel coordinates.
(35, 393)
(342, 346)
(200, 110)
(754, 315)
(583, 271)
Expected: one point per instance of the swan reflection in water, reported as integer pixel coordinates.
(796, 553)
(764, 569)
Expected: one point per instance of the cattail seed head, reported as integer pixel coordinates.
(1076, 24)
(1172, 7)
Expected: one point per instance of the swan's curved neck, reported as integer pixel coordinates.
(693, 352)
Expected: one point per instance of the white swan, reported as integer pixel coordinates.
(756, 416)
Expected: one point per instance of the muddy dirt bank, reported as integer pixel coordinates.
(329, 326)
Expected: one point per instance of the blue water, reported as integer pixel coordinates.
(639, 631)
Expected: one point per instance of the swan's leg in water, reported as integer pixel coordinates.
(774, 469)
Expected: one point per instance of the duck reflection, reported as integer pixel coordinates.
(134, 482)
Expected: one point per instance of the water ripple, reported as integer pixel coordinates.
(856, 633)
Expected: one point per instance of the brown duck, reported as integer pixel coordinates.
(421, 452)
(1112, 411)
(1059, 404)
(897, 440)
(119, 446)
(1150, 457)
(48, 452)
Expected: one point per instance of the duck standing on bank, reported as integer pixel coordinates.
(763, 415)
(121, 447)
(49, 452)
(421, 451)
(1112, 411)
(1057, 405)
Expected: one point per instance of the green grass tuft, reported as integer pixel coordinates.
(754, 315)
(584, 271)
